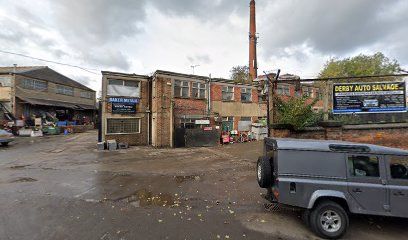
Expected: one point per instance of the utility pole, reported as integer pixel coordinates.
(193, 67)
(270, 86)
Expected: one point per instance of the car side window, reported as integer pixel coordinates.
(399, 167)
(364, 166)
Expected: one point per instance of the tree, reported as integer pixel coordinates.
(361, 65)
(296, 112)
(240, 74)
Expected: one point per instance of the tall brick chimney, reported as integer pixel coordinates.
(253, 65)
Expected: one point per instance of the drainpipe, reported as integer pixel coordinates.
(209, 96)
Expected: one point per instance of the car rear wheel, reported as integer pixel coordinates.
(329, 220)
(264, 172)
(4, 144)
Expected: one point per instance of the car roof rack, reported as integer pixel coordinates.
(349, 148)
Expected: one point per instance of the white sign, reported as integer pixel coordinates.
(202, 122)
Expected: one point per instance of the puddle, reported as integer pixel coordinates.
(23, 179)
(19, 167)
(181, 179)
(144, 198)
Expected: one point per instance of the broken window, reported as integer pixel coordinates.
(246, 94)
(227, 93)
(181, 89)
(199, 90)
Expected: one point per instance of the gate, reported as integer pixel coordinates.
(196, 137)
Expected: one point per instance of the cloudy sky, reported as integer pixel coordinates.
(141, 36)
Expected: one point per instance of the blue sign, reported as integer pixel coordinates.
(123, 100)
(369, 97)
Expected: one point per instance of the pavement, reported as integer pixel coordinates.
(61, 187)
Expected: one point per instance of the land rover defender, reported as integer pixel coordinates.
(331, 179)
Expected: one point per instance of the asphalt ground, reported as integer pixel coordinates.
(61, 187)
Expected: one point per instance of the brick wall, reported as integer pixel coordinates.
(391, 135)
(162, 112)
(142, 111)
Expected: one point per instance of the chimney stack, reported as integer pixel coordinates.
(253, 65)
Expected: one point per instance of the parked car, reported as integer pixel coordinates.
(5, 137)
(331, 179)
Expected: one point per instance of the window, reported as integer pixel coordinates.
(199, 90)
(246, 119)
(123, 88)
(246, 94)
(228, 119)
(65, 90)
(308, 92)
(86, 95)
(123, 125)
(364, 166)
(188, 123)
(283, 90)
(181, 89)
(34, 84)
(399, 167)
(227, 93)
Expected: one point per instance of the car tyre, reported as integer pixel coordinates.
(264, 172)
(329, 220)
(4, 144)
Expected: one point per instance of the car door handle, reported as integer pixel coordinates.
(357, 190)
(399, 194)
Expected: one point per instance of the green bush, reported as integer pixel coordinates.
(295, 111)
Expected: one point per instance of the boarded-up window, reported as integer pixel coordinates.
(123, 125)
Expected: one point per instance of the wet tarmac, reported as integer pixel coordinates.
(61, 187)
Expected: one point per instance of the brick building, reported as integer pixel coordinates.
(125, 108)
(168, 101)
(40, 91)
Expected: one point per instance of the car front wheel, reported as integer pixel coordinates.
(329, 220)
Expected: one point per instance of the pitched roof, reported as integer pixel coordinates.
(19, 69)
(44, 73)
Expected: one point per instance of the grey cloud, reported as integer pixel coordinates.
(330, 27)
(14, 35)
(200, 59)
(205, 10)
(108, 58)
(98, 21)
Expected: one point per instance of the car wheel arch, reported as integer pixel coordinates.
(324, 195)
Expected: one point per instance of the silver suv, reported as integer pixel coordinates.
(330, 179)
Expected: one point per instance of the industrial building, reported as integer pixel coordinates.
(162, 109)
(39, 91)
